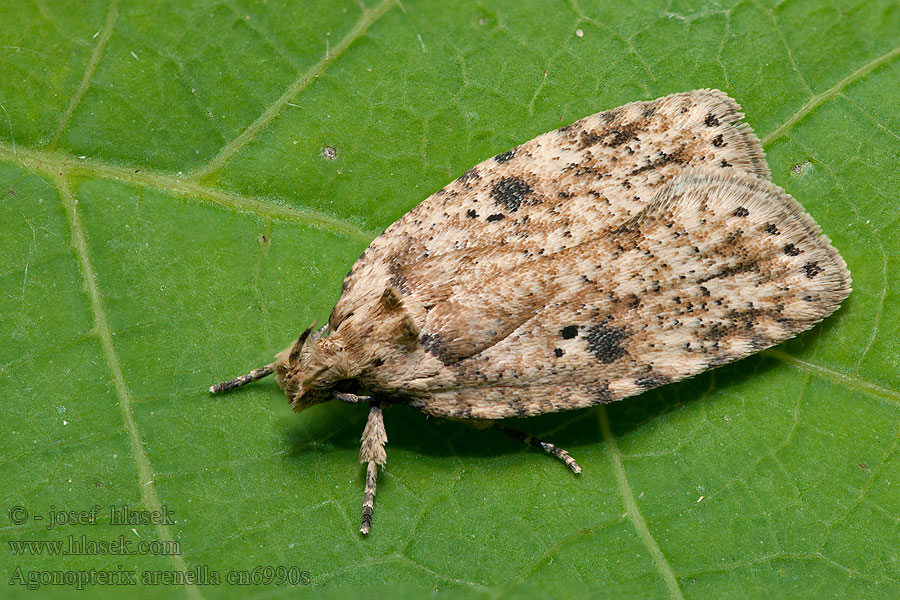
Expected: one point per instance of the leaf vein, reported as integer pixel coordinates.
(101, 324)
(631, 507)
(817, 100)
(368, 18)
(52, 163)
(46, 350)
(870, 483)
(851, 382)
(96, 55)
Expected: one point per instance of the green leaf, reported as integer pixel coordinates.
(171, 217)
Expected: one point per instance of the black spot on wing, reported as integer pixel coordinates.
(792, 250)
(741, 212)
(626, 133)
(508, 155)
(569, 331)
(497, 217)
(812, 269)
(588, 138)
(434, 345)
(510, 192)
(605, 342)
(711, 120)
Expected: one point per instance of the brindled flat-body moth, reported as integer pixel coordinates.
(630, 249)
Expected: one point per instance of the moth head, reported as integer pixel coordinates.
(315, 366)
(311, 367)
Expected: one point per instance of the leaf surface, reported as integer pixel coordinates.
(184, 186)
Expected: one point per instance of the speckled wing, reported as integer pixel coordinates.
(561, 188)
(720, 264)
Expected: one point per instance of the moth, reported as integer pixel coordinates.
(633, 248)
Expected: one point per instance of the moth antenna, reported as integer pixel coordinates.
(243, 379)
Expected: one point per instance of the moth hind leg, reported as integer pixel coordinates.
(547, 447)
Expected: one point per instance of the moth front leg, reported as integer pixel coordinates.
(372, 454)
(351, 398)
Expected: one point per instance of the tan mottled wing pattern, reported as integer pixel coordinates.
(718, 266)
(559, 189)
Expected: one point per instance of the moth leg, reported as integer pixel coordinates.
(547, 447)
(351, 398)
(372, 454)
